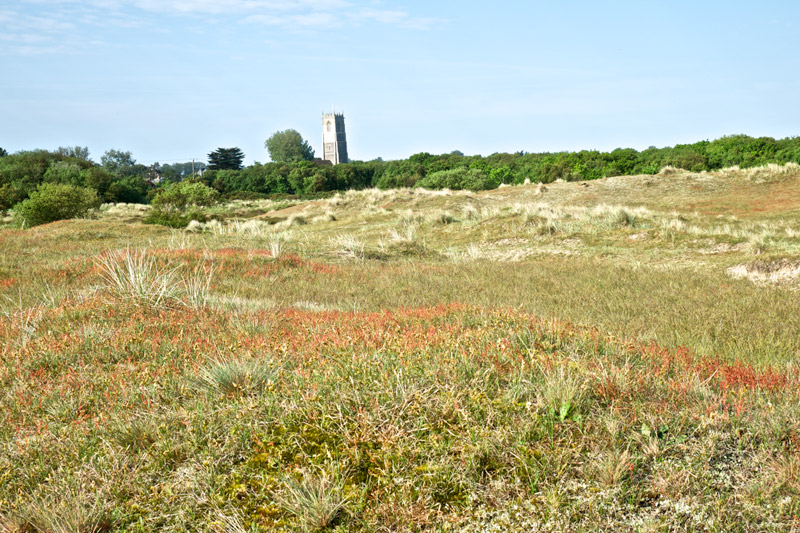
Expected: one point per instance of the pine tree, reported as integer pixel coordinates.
(225, 159)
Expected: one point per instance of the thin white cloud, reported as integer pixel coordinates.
(304, 20)
(26, 34)
(305, 12)
(211, 7)
(383, 15)
(329, 18)
(48, 24)
(42, 26)
(24, 38)
(402, 19)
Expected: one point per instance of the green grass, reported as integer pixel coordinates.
(559, 358)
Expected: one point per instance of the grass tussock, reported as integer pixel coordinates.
(276, 246)
(135, 276)
(250, 228)
(295, 220)
(137, 433)
(442, 218)
(563, 393)
(69, 512)
(236, 377)
(315, 499)
(348, 247)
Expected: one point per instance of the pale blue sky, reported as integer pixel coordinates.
(174, 79)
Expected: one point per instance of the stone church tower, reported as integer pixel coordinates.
(334, 141)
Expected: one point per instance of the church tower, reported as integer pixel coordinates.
(334, 141)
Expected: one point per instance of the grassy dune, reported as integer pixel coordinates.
(619, 355)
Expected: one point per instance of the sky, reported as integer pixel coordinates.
(172, 80)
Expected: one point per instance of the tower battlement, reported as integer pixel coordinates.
(334, 139)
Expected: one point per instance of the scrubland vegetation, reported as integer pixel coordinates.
(619, 354)
(119, 178)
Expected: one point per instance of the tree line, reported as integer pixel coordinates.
(119, 178)
(455, 170)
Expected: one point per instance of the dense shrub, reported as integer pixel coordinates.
(174, 219)
(55, 201)
(459, 178)
(10, 194)
(398, 180)
(131, 190)
(180, 196)
(180, 203)
(21, 173)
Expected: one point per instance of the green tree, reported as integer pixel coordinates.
(225, 159)
(76, 152)
(178, 171)
(122, 165)
(98, 179)
(64, 172)
(117, 162)
(131, 190)
(288, 146)
(23, 172)
(3, 152)
(129, 183)
(10, 194)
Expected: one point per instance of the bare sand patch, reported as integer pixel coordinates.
(781, 272)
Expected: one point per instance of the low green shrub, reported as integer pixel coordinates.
(174, 219)
(55, 201)
(183, 195)
(180, 203)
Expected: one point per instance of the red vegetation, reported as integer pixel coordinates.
(107, 356)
